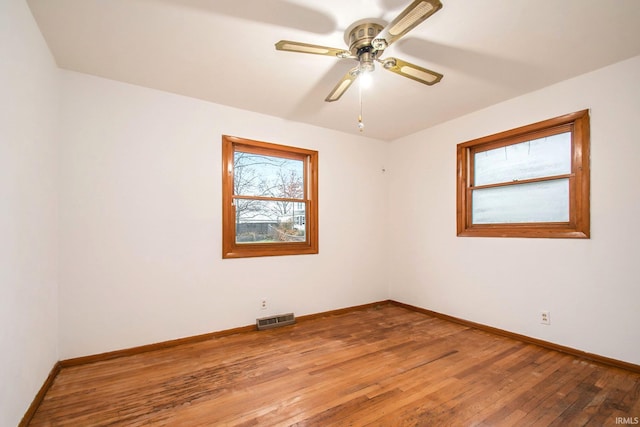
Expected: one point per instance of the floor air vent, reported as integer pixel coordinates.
(275, 321)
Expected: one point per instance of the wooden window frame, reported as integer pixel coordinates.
(231, 249)
(578, 225)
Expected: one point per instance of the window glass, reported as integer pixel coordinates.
(268, 221)
(546, 201)
(267, 176)
(548, 156)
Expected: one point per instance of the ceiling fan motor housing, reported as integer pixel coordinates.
(359, 38)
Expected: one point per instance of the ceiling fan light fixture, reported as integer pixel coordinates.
(367, 67)
(418, 13)
(366, 61)
(366, 79)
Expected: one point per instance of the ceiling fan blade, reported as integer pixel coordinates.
(408, 19)
(411, 71)
(343, 85)
(290, 46)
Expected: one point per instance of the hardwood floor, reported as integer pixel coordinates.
(382, 366)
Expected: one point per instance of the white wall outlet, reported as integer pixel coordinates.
(545, 318)
(263, 304)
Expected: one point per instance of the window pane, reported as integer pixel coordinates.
(267, 176)
(259, 221)
(537, 158)
(546, 201)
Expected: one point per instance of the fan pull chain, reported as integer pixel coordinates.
(360, 124)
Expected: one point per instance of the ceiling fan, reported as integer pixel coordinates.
(367, 39)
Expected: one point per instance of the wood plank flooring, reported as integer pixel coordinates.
(381, 366)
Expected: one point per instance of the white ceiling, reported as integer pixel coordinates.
(223, 51)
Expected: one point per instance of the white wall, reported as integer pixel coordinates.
(140, 208)
(591, 287)
(28, 217)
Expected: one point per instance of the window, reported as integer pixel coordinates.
(527, 182)
(269, 199)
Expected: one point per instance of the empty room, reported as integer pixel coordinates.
(289, 212)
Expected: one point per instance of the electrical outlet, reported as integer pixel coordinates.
(545, 318)
(263, 304)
